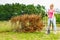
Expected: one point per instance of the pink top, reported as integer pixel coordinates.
(50, 13)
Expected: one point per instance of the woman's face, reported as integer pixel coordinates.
(51, 6)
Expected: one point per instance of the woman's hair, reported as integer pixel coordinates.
(51, 5)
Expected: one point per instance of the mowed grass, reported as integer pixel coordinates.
(5, 26)
(28, 36)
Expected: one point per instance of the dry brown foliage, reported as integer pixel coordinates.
(29, 23)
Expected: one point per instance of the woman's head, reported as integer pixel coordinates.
(51, 6)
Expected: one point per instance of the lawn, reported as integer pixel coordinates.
(28, 36)
(5, 26)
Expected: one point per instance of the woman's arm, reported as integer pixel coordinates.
(48, 13)
(53, 12)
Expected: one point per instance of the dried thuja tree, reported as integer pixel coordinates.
(29, 23)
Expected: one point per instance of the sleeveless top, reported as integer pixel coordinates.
(50, 13)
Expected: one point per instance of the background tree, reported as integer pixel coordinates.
(9, 10)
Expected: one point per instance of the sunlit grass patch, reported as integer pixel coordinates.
(28, 36)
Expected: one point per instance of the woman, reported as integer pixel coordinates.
(51, 19)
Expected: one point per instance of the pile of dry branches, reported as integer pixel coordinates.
(27, 23)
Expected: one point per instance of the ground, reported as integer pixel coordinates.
(5, 25)
(28, 36)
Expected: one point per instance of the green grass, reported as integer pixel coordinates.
(5, 25)
(28, 36)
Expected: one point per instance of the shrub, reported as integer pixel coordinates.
(57, 18)
(29, 23)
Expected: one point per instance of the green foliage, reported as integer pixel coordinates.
(9, 10)
(57, 18)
